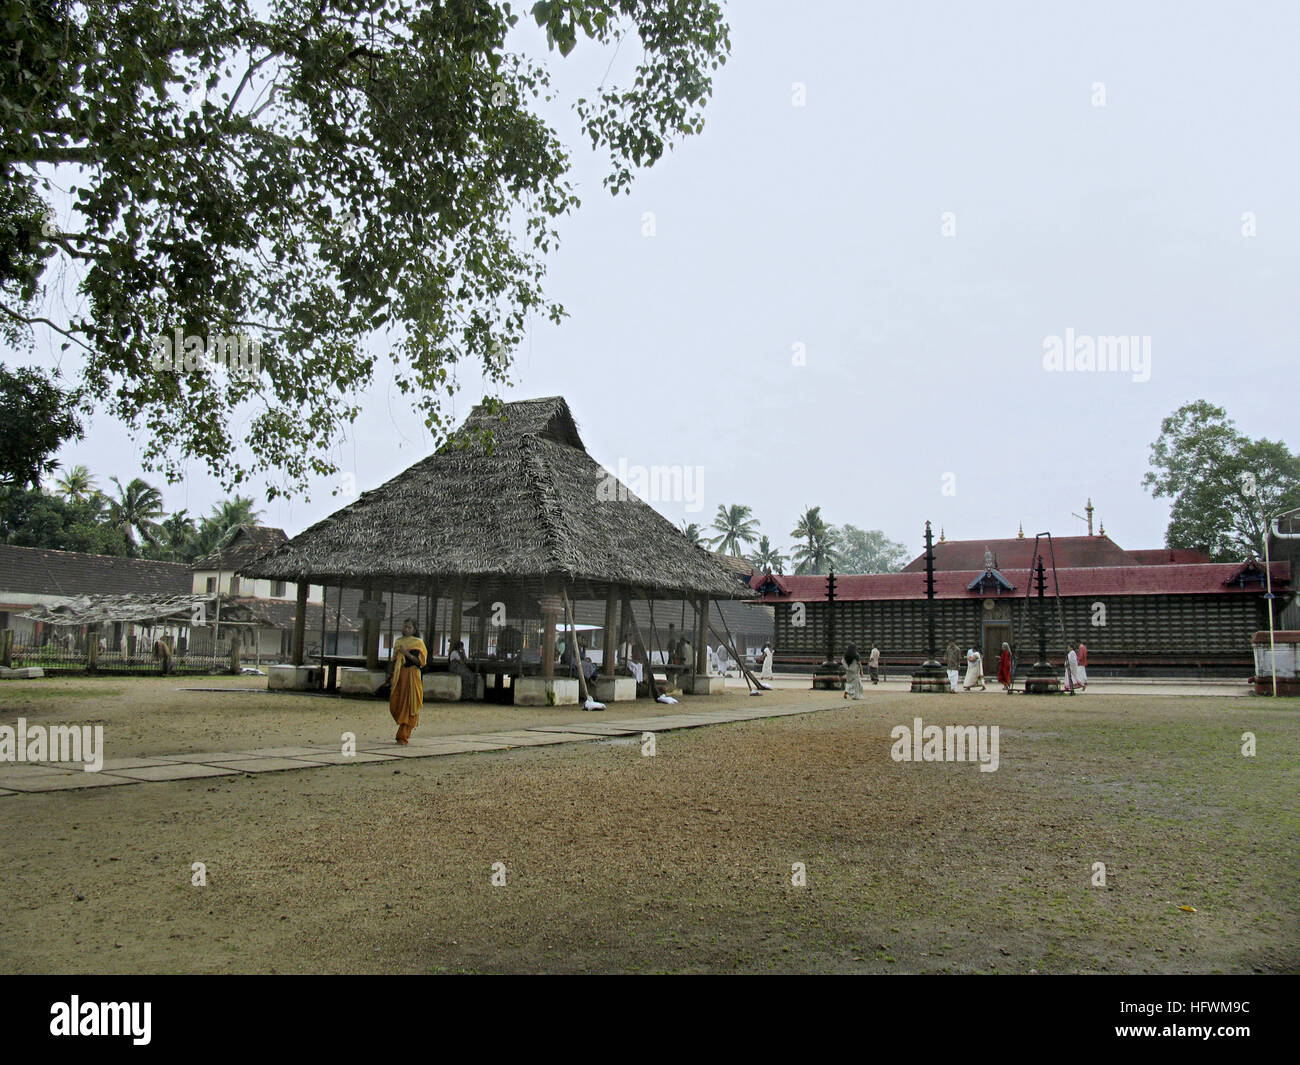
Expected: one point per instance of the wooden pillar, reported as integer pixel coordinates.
(457, 607)
(300, 624)
(372, 634)
(480, 635)
(551, 608)
(611, 631)
(701, 635)
(431, 621)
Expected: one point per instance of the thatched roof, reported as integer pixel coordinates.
(533, 505)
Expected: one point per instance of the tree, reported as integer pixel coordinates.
(1222, 483)
(178, 539)
(76, 485)
(36, 518)
(734, 526)
(818, 542)
(303, 174)
(36, 417)
(868, 551)
(226, 517)
(767, 559)
(692, 532)
(136, 509)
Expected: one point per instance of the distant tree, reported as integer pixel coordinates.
(1223, 484)
(226, 517)
(137, 508)
(734, 526)
(868, 551)
(767, 559)
(817, 545)
(36, 518)
(36, 417)
(178, 539)
(76, 484)
(692, 532)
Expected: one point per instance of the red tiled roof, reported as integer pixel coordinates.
(1170, 556)
(1015, 553)
(37, 571)
(1209, 578)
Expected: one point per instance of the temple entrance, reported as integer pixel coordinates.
(996, 633)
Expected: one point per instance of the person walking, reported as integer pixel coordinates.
(1072, 669)
(1083, 664)
(873, 664)
(974, 670)
(852, 663)
(766, 674)
(952, 659)
(1004, 668)
(407, 685)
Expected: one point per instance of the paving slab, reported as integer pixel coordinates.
(594, 730)
(216, 756)
(177, 771)
(265, 765)
(290, 752)
(398, 751)
(7, 791)
(466, 747)
(112, 764)
(338, 758)
(69, 782)
(525, 738)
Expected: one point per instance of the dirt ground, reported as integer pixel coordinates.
(680, 862)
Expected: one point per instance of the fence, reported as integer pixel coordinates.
(72, 652)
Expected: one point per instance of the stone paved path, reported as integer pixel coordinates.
(21, 778)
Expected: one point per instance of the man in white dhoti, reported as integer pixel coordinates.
(766, 674)
(974, 670)
(952, 660)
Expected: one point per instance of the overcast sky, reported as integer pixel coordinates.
(857, 269)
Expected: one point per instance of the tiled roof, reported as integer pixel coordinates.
(1211, 578)
(37, 571)
(1015, 553)
(249, 544)
(1168, 556)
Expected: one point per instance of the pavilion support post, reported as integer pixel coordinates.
(457, 608)
(610, 635)
(431, 621)
(300, 623)
(372, 633)
(480, 636)
(701, 635)
(550, 605)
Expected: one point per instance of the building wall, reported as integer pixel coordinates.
(259, 589)
(1126, 625)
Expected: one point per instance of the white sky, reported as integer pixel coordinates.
(821, 225)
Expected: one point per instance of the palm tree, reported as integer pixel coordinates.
(226, 517)
(76, 485)
(768, 559)
(692, 533)
(734, 526)
(818, 542)
(136, 509)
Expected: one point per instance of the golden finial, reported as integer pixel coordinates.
(1022, 531)
(1103, 529)
(942, 538)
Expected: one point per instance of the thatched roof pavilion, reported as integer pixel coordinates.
(522, 515)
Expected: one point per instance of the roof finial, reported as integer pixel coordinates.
(1103, 529)
(942, 538)
(1088, 510)
(1022, 531)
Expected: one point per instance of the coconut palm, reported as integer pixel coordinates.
(77, 485)
(226, 517)
(734, 526)
(692, 533)
(137, 508)
(767, 559)
(817, 545)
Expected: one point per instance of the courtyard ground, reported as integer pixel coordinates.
(614, 861)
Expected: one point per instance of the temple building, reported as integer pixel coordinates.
(1145, 612)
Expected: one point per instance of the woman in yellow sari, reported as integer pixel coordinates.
(407, 695)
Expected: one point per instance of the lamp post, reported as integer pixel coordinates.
(1041, 678)
(931, 676)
